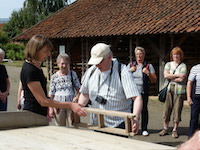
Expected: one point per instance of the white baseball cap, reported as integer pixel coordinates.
(98, 52)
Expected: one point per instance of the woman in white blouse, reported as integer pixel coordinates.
(62, 86)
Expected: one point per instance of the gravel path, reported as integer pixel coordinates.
(155, 112)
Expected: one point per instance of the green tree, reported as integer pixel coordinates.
(33, 11)
(3, 38)
(14, 26)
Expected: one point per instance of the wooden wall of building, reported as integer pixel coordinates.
(157, 48)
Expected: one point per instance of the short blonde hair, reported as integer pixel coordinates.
(35, 44)
(177, 50)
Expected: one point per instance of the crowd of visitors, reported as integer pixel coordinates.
(108, 84)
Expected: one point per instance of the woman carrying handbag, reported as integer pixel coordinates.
(174, 71)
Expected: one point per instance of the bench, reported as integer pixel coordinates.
(128, 117)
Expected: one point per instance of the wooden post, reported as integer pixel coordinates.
(100, 120)
(131, 48)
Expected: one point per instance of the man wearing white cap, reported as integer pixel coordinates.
(108, 89)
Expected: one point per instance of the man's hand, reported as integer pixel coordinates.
(189, 100)
(135, 126)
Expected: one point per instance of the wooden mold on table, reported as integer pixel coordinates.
(128, 118)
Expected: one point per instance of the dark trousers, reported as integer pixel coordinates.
(194, 117)
(3, 106)
(145, 113)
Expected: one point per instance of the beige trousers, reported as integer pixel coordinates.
(63, 118)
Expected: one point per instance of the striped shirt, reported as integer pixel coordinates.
(118, 93)
(195, 75)
(180, 87)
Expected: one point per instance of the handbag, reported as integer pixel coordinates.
(163, 92)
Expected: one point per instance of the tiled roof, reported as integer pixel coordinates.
(87, 18)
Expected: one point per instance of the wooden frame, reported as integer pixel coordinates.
(128, 118)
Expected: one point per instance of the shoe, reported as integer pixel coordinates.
(163, 132)
(145, 133)
(174, 134)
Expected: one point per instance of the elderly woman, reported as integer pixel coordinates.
(62, 86)
(4, 83)
(175, 73)
(143, 73)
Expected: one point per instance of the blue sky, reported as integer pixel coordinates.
(7, 7)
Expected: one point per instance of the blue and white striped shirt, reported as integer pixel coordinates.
(195, 75)
(119, 95)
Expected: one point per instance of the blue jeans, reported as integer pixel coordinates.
(3, 106)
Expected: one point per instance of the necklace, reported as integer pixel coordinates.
(35, 63)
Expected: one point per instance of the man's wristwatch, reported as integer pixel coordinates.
(136, 117)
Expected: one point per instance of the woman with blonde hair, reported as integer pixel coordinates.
(34, 82)
(174, 73)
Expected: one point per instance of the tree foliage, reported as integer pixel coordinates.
(33, 11)
(3, 38)
(13, 51)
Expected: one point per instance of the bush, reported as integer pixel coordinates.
(3, 37)
(14, 51)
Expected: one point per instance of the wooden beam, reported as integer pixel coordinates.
(161, 62)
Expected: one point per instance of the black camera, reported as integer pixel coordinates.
(101, 100)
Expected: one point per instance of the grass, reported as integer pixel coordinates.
(16, 63)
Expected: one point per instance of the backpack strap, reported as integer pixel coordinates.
(133, 64)
(147, 66)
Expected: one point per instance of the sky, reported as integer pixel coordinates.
(7, 7)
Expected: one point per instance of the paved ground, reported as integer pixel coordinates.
(155, 111)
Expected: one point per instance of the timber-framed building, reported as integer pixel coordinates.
(156, 25)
